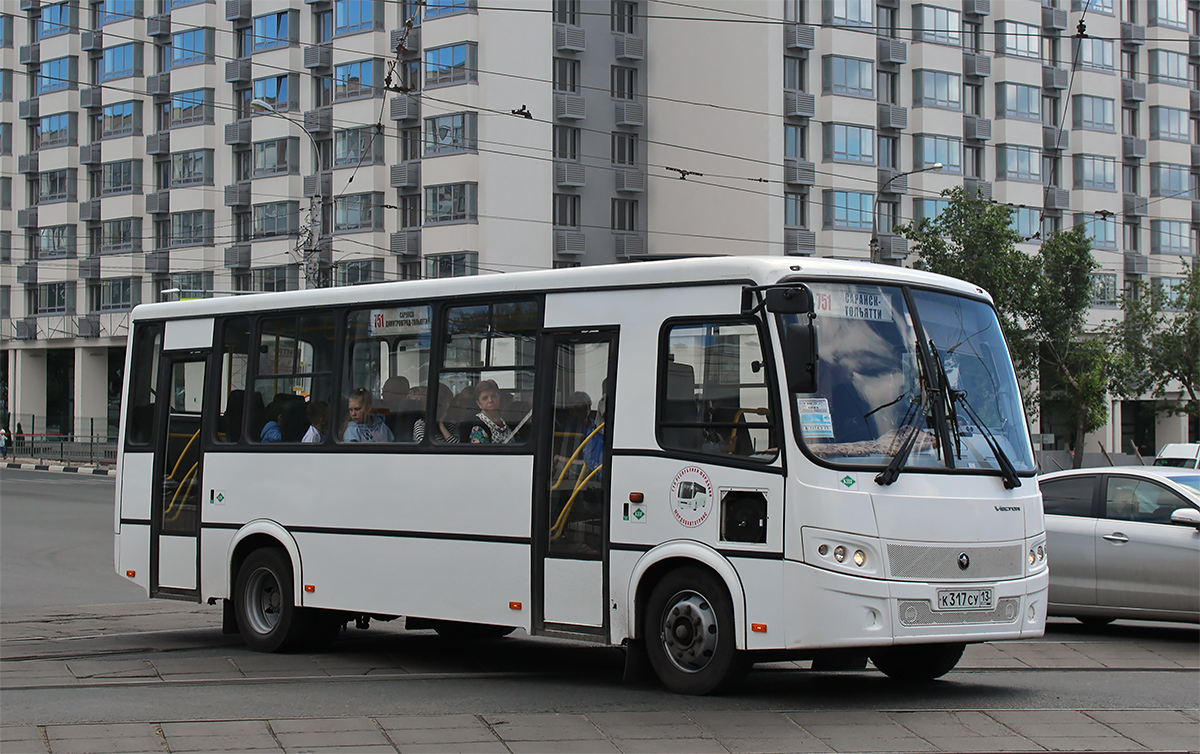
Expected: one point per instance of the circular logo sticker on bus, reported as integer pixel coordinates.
(691, 496)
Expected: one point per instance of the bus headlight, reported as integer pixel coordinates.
(1038, 557)
(839, 553)
(860, 557)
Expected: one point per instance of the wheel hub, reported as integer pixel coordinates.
(689, 631)
(263, 601)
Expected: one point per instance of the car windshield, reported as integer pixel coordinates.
(873, 391)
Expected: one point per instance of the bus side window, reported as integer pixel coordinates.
(235, 368)
(147, 345)
(386, 371)
(293, 364)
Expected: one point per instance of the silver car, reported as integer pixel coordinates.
(1124, 542)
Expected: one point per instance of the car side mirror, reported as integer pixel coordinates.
(1186, 517)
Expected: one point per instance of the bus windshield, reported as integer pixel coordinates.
(885, 375)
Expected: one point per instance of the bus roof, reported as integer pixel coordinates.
(693, 270)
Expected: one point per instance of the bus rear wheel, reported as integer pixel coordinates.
(267, 616)
(689, 634)
(918, 662)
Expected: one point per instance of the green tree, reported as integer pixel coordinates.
(1157, 342)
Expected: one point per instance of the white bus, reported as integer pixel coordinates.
(708, 461)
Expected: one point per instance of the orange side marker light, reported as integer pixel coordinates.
(131, 574)
(758, 628)
(514, 605)
(310, 588)
(636, 497)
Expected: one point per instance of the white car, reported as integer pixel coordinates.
(1184, 455)
(1124, 542)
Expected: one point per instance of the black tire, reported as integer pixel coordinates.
(1094, 621)
(689, 634)
(267, 616)
(918, 662)
(457, 630)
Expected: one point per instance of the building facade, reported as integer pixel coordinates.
(157, 149)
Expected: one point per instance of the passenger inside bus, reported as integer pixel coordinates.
(271, 431)
(318, 418)
(363, 424)
(231, 421)
(489, 425)
(447, 429)
(293, 416)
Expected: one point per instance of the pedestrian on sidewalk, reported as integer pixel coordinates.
(3, 442)
(20, 440)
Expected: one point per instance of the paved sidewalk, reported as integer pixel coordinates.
(37, 464)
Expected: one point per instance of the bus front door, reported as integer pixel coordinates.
(175, 520)
(571, 515)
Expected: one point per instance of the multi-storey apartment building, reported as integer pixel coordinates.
(155, 149)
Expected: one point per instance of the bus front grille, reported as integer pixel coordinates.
(939, 563)
(920, 613)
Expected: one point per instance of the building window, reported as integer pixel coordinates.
(795, 74)
(120, 235)
(940, 25)
(566, 75)
(354, 80)
(436, 8)
(187, 109)
(451, 203)
(123, 177)
(1018, 40)
(624, 17)
(624, 215)
(848, 12)
(1095, 113)
(54, 75)
(354, 16)
(189, 229)
(191, 47)
(275, 219)
(274, 91)
(55, 20)
(623, 82)
(6, 138)
(566, 143)
(453, 64)
(1104, 288)
(191, 168)
(357, 146)
(1097, 6)
(1169, 124)
(1169, 180)
(115, 11)
(1101, 228)
(845, 143)
(566, 210)
(848, 210)
(6, 30)
(849, 76)
(1017, 163)
(1169, 237)
(120, 62)
(56, 242)
(795, 141)
(1018, 101)
(1167, 67)
(56, 186)
(115, 295)
(189, 285)
(456, 265)
(1095, 172)
(54, 298)
(929, 149)
(56, 131)
(273, 279)
(795, 210)
(357, 212)
(1026, 222)
(359, 271)
(937, 89)
(566, 12)
(1095, 54)
(450, 134)
(929, 208)
(268, 33)
(6, 86)
(118, 120)
(1171, 13)
(1133, 235)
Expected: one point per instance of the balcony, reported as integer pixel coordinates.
(891, 51)
(238, 71)
(318, 56)
(27, 274)
(406, 107)
(1133, 148)
(1133, 34)
(1056, 138)
(159, 26)
(406, 243)
(91, 98)
(978, 189)
(630, 180)
(237, 194)
(319, 121)
(977, 7)
(27, 217)
(411, 39)
(406, 175)
(976, 128)
(238, 132)
(799, 242)
(630, 114)
(630, 245)
(799, 172)
(569, 174)
(1056, 198)
(30, 55)
(89, 326)
(629, 47)
(568, 107)
(320, 184)
(92, 42)
(89, 268)
(158, 263)
(1193, 47)
(892, 248)
(798, 104)
(27, 163)
(1054, 19)
(974, 64)
(891, 181)
(569, 242)
(158, 203)
(569, 38)
(30, 5)
(1135, 206)
(1136, 264)
(1195, 157)
(28, 109)
(159, 85)
(1195, 102)
(892, 117)
(799, 37)
(237, 257)
(159, 144)
(89, 211)
(237, 10)
(1133, 91)
(1055, 78)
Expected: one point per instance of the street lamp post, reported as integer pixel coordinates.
(315, 272)
(875, 208)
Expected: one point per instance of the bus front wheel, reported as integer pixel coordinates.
(267, 616)
(918, 662)
(689, 633)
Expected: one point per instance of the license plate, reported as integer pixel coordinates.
(964, 599)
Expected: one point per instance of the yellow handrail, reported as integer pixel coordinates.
(190, 475)
(738, 417)
(559, 525)
(182, 453)
(575, 455)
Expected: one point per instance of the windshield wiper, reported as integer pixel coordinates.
(1011, 480)
(907, 425)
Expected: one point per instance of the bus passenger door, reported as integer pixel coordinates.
(571, 515)
(175, 517)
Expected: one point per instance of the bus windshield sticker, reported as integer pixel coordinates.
(853, 302)
(691, 496)
(401, 320)
(815, 419)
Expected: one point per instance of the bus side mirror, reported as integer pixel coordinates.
(800, 356)
(792, 300)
